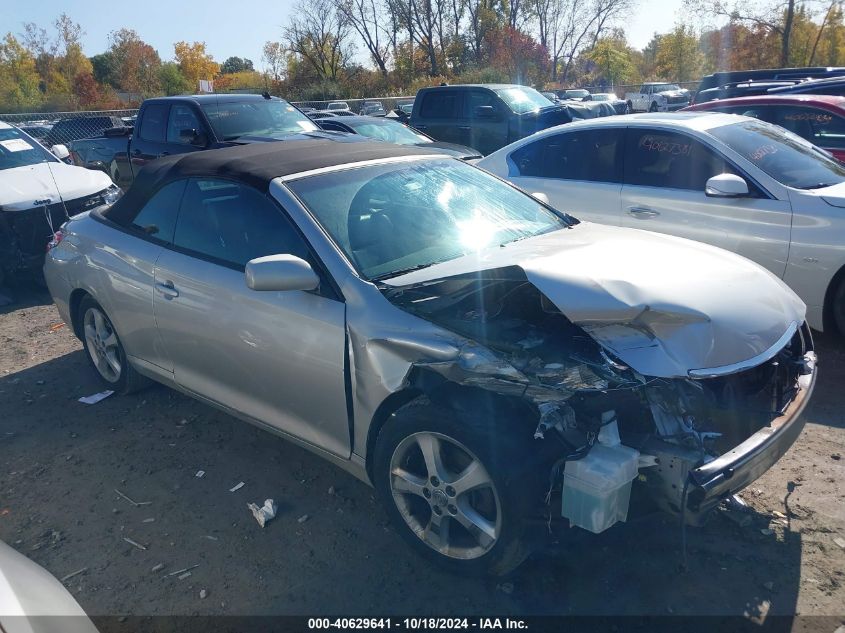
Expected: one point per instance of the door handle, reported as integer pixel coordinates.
(642, 213)
(464, 127)
(167, 290)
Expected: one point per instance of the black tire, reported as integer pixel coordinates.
(516, 490)
(629, 108)
(837, 308)
(653, 107)
(124, 381)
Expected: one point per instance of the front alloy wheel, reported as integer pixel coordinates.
(445, 495)
(460, 487)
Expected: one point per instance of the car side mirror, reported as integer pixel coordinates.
(193, 136)
(726, 186)
(280, 273)
(60, 151)
(485, 112)
(539, 195)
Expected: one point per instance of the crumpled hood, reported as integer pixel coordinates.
(663, 305)
(20, 187)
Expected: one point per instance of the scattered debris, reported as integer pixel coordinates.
(265, 513)
(767, 532)
(95, 398)
(736, 510)
(149, 520)
(200, 474)
(506, 587)
(134, 503)
(158, 567)
(181, 571)
(769, 585)
(134, 543)
(57, 326)
(303, 518)
(331, 490)
(779, 515)
(839, 541)
(237, 487)
(185, 575)
(74, 573)
(183, 422)
(203, 594)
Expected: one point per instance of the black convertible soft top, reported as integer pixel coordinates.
(254, 164)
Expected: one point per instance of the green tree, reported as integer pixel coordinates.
(236, 65)
(678, 57)
(612, 60)
(18, 77)
(172, 81)
(134, 63)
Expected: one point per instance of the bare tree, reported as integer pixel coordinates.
(777, 17)
(319, 34)
(367, 17)
(427, 21)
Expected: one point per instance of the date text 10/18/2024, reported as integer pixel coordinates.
(417, 623)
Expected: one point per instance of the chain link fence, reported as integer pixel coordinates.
(372, 105)
(53, 128)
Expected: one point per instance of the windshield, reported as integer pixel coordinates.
(390, 131)
(602, 97)
(784, 156)
(273, 118)
(665, 87)
(19, 150)
(521, 99)
(390, 219)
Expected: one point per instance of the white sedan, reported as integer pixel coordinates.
(727, 180)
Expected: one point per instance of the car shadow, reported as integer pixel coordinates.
(15, 297)
(331, 547)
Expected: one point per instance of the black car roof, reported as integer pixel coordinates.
(213, 98)
(253, 164)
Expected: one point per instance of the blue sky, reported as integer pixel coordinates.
(229, 27)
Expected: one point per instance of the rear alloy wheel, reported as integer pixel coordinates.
(105, 351)
(456, 488)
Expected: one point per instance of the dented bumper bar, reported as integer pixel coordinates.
(736, 469)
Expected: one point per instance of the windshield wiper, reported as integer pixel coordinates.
(233, 137)
(403, 271)
(819, 185)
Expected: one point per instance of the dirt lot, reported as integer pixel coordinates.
(61, 461)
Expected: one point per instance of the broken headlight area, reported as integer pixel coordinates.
(612, 427)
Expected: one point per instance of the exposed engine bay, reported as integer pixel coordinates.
(586, 397)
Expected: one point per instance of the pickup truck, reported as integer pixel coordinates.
(176, 125)
(657, 97)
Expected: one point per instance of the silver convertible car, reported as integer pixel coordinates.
(494, 368)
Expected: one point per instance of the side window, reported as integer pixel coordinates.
(153, 122)
(231, 223)
(440, 105)
(592, 155)
(181, 118)
(476, 98)
(656, 158)
(817, 126)
(157, 218)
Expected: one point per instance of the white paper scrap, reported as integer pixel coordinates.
(237, 487)
(94, 399)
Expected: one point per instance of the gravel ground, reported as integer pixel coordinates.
(330, 549)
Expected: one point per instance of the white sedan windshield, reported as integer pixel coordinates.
(393, 218)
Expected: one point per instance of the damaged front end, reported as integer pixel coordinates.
(688, 441)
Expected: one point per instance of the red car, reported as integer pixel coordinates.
(818, 118)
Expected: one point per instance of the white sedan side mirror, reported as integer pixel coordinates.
(60, 151)
(539, 195)
(726, 186)
(280, 273)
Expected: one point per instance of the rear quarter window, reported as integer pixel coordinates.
(154, 123)
(440, 105)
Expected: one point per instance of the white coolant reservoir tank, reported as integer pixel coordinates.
(597, 488)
